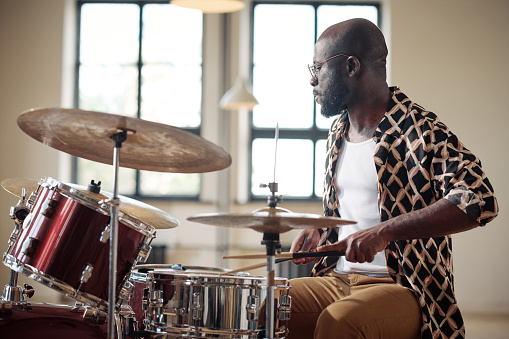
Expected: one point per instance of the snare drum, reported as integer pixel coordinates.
(210, 305)
(135, 289)
(64, 243)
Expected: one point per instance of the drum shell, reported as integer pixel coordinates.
(208, 305)
(56, 248)
(43, 321)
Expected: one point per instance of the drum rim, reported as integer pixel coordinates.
(75, 195)
(55, 284)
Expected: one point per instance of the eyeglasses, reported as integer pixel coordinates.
(313, 69)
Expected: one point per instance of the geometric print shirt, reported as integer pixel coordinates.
(418, 161)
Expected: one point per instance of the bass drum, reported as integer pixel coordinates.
(49, 321)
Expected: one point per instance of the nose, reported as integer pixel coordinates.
(314, 81)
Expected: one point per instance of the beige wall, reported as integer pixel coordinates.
(450, 56)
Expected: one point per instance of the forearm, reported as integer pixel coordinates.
(439, 219)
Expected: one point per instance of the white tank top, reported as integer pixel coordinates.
(357, 188)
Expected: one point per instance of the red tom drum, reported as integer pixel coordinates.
(64, 243)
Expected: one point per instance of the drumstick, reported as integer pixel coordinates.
(288, 255)
(252, 267)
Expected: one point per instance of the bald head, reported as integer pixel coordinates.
(358, 37)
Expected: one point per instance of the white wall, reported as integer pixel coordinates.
(450, 56)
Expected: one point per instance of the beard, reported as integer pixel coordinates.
(334, 101)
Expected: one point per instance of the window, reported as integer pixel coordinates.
(144, 60)
(283, 45)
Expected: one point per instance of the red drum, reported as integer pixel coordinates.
(137, 289)
(32, 320)
(64, 243)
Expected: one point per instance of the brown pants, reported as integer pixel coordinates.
(352, 306)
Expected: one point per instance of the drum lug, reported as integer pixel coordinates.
(48, 207)
(29, 246)
(95, 314)
(125, 292)
(105, 234)
(197, 307)
(253, 302)
(285, 305)
(87, 273)
(144, 252)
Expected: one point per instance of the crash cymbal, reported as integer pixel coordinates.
(270, 220)
(15, 186)
(149, 146)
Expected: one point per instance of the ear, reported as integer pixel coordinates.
(353, 65)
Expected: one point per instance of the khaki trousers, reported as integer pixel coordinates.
(352, 306)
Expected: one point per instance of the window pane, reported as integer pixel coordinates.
(294, 167)
(165, 100)
(154, 183)
(109, 89)
(172, 33)
(320, 153)
(283, 46)
(109, 33)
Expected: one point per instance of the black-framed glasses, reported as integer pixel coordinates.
(313, 69)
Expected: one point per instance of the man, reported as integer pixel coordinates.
(404, 176)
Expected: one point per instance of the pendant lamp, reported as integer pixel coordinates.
(238, 97)
(211, 6)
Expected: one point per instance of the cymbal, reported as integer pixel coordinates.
(137, 209)
(15, 186)
(270, 220)
(149, 146)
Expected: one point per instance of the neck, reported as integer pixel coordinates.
(365, 116)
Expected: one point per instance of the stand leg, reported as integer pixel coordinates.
(271, 241)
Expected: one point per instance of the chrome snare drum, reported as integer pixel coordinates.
(206, 305)
(64, 243)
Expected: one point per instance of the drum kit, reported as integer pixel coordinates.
(91, 245)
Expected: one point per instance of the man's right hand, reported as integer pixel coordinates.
(306, 241)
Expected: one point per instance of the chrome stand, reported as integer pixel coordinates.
(114, 208)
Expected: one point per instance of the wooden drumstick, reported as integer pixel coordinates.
(252, 267)
(288, 255)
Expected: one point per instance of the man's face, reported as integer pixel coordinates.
(330, 89)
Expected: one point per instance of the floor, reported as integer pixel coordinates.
(482, 326)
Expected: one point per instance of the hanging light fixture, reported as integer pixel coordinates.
(238, 97)
(211, 6)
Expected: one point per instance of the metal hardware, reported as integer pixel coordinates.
(105, 234)
(29, 246)
(86, 274)
(144, 252)
(284, 307)
(197, 307)
(48, 207)
(253, 302)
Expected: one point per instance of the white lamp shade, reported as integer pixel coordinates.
(238, 97)
(211, 6)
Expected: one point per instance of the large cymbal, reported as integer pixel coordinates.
(149, 146)
(137, 209)
(270, 220)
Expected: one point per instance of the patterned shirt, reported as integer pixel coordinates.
(418, 161)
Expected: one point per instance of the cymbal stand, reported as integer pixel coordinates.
(273, 245)
(114, 202)
(12, 292)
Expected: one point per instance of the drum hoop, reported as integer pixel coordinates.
(74, 194)
(192, 279)
(56, 284)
